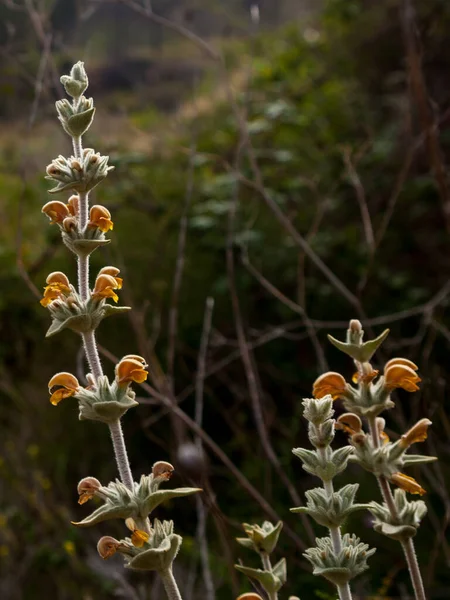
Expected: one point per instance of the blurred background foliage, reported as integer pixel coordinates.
(345, 110)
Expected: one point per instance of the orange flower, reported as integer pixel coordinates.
(364, 377)
(100, 217)
(401, 373)
(131, 368)
(105, 286)
(107, 546)
(58, 287)
(401, 361)
(87, 488)
(350, 423)
(138, 537)
(417, 433)
(67, 385)
(56, 211)
(162, 470)
(330, 383)
(113, 271)
(407, 483)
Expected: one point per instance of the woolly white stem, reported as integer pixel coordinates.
(170, 585)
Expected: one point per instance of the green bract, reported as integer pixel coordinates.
(363, 351)
(331, 510)
(78, 315)
(339, 568)
(80, 175)
(123, 503)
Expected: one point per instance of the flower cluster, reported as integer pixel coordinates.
(69, 310)
(365, 399)
(150, 546)
(101, 400)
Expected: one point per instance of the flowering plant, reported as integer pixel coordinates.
(152, 546)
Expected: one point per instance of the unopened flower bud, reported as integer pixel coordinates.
(69, 224)
(355, 326)
(76, 165)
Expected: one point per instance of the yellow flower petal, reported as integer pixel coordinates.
(67, 385)
(401, 376)
(59, 278)
(130, 369)
(56, 211)
(330, 383)
(138, 538)
(417, 433)
(105, 286)
(409, 484)
(100, 217)
(401, 361)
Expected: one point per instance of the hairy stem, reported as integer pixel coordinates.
(335, 534)
(77, 147)
(120, 452)
(90, 345)
(93, 358)
(408, 546)
(170, 585)
(268, 567)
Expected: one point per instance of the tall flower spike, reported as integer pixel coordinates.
(66, 385)
(131, 368)
(330, 383)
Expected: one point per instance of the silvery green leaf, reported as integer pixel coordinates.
(89, 246)
(337, 575)
(401, 533)
(361, 353)
(106, 412)
(80, 323)
(79, 123)
(246, 542)
(270, 582)
(416, 459)
(157, 559)
(279, 570)
(156, 498)
(270, 541)
(109, 310)
(107, 511)
(318, 411)
(309, 458)
(340, 458)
